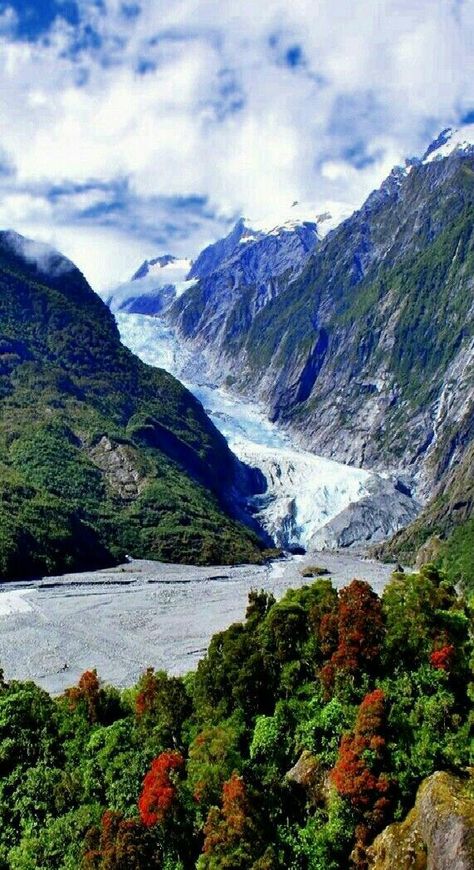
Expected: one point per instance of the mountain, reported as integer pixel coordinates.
(153, 287)
(365, 349)
(100, 455)
(356, 334)
(235, 279)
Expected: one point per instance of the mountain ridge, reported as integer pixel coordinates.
(364, 347)
(100, 454)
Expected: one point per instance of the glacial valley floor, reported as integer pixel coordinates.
(125, 619)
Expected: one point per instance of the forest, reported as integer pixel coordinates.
(304, 731)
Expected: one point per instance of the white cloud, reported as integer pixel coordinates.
(220, 114)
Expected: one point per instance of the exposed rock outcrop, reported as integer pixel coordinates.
(121, 466)
(437, 834)
(374, 518)
(310, 776)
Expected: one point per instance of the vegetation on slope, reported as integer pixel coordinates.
(303, 732)
(444, 531)
(100, 455)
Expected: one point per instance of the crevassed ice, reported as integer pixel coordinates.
(304, 491)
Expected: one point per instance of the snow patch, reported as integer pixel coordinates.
(164, 273)
(451, 140)
(324, 220)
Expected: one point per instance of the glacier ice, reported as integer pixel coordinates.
(304, 491)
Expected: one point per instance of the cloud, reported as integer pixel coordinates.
(133, 128)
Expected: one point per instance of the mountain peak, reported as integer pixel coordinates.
(158, 264)
(450, 140)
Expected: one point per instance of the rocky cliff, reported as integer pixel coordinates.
(366, 348)
(437, 834)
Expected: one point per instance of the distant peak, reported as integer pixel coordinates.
(450, 140)
(158, 264)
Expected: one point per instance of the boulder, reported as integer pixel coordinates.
(437, 834)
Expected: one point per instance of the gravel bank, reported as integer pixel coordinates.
(142, 614)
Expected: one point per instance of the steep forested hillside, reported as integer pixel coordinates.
(100, 455)
(303, 733)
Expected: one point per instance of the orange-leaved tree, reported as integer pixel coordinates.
(159, 788)
(358, 773)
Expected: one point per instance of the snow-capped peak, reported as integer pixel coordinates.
(297, 215)
(450, 140)
(164, 265)
(154, 286)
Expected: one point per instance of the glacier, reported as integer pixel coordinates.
(304, 491)
(176, 314)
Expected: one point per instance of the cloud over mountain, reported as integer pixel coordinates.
(131, 128)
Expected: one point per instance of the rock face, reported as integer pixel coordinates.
(374, 518)
(437, 834)
(121, 466)
(236, 278)
(310, 776)
(362, 342)
(452, 505)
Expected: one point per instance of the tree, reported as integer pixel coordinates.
(162, 704)
(421, 611)
(442, 659)
(86, 695)
(357, 774)
(357, 629)
(231, 838)
(159, 788)
(213, 756)
(119, 844)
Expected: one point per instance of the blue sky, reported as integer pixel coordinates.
(130, 129)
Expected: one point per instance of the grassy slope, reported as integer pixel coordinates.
(65, 382)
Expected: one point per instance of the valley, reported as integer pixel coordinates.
(141, 614)
(303, 492)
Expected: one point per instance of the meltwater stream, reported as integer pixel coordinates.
(304, 491)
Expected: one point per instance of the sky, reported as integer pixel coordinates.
(133, 128)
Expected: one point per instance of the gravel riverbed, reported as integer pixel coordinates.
(141, 614)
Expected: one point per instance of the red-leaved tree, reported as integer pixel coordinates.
(354, 634)
(358, 775)
(159, 788)
(442, 659)
(86, 693)
(147, 693)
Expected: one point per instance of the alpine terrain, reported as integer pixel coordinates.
(355, 336)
